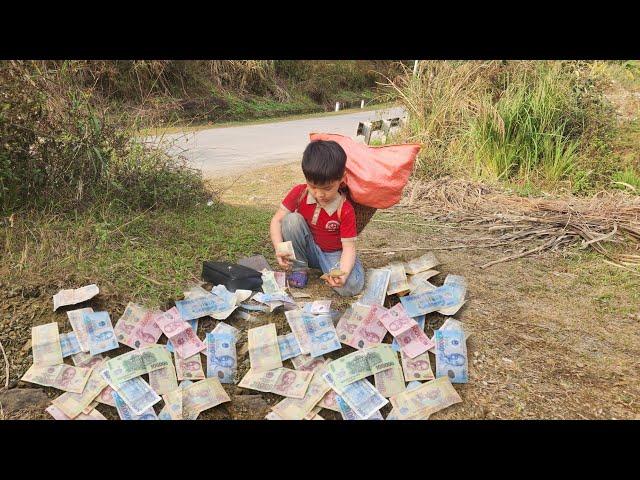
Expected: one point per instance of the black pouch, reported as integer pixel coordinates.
(231, 275)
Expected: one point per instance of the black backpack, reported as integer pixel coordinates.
(231, 275)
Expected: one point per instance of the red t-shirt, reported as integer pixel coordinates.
(329, 230)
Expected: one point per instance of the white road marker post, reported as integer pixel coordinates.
(361, 103)
(337, 106)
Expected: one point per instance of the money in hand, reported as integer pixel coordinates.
(45, 343)
(286, 248)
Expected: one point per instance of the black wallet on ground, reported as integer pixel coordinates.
(231, 275)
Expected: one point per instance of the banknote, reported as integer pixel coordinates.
(273, 416)
(137, 362)
(91, 406)
(100, 332)
(229, 301)
(298, 408)
(281, 381)
(58, 414)
(105, 396)
(425, 400)
(361, 396)
(420, 321)
(257, 262)
(202, 395)
(313, 416)
(307, 363)
(321, 333)
(361, 364)
(334, 272)
(350, 320)
(222, 358)
(255, 308)
(164, 379)
(286, 248)
(269, 283)
(201, 306)
(135, 392)
(390, 382)
(418, 368)
(223, 327)
(451, 355)
(281, 279)
(420, 282)
(69, 344)
(288, 346)
(73, 296)
(195, 291)
(411, 338)
(85, 359)
(370, 331)
(397, 279)
(459, 283)
(185, 342)
(349, 414)
(137, 327)
(72, 404)
(393, 415)
(421, 264)
(189, 368)
(264, 353)
(375, 287)
(294, 319)
(268, 298)
(329, 401)
(194, 326)
(427, 302)
(62, 376)
(75, 319)
(317, 307)
(450, 323)
(126, 413)
(45, 343)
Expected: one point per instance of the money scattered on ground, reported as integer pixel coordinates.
(375, 287)
(410, 336)
(420, 282)
(451, 355)
(201, 306)
(137, 362)
(72, 404)
(450, 323)
(100, 332)
(361, 364)
(459, 284)
(222, 358)
(69, 344)
(137, 327)
(264, 353)
(137, 394)
(189, 368)
(126, 413)
(418, 368)
(428, 302)
(421, 264)
(318, 307)
(184, 340)
(361, 396)
(390, 382)
(73, 296)
(428, 398)
(77, 323)
(397, 279)
(288, 346)
(298, 408)
(63, 377)
(321, 333)
(349, 413)
(281, 381)
(58, 414)
(45, 344)
(269, 283)
(370, 331)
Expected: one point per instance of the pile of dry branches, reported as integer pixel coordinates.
(548, 223)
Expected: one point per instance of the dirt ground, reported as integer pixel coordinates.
(552, 337)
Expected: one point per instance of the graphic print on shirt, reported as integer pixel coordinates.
(332, 226)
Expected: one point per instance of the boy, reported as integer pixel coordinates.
(320, 222)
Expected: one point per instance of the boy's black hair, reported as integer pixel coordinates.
(323, 161)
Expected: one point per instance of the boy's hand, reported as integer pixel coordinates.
(336, 282)
(283, 260)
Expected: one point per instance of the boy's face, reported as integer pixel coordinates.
(325, 193)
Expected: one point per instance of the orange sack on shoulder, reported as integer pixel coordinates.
(376, 176)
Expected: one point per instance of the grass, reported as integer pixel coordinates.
(195, 127)
(149, 257)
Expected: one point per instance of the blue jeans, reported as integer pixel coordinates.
(309, 254)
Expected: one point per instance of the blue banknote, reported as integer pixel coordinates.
(289, 346)
(201, 306)
(361, 396)
(222, 360)
(135, 393)
(194, 326)
(254, 308)
(451, 355)
(427, 302)
(100, 332)
(69, 344)
(420, 321)
(126, 413)
(349, 414)
(322, 334)
(375, 289)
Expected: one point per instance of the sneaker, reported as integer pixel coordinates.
(298, 279)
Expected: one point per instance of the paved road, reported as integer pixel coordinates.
(222, 151)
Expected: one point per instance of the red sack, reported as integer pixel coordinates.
(376, 176)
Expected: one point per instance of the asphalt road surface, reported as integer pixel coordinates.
(230, 150)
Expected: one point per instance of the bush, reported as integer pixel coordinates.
(60, 149)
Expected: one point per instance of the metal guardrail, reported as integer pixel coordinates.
(367, 128)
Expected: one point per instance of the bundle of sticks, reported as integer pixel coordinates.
(549, 223)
